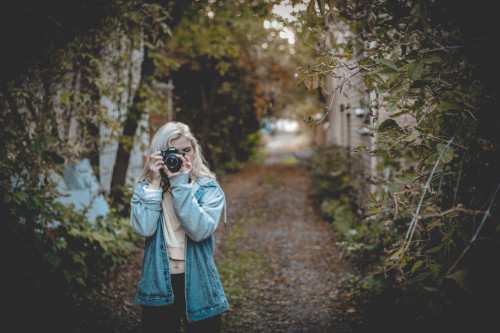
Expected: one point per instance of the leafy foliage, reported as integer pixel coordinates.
(51, 114)
(223, 85)
(427, 64)
(336, 179)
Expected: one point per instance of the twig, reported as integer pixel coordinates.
(485, 215)
(413, 223)
(451, 210)
(444, 140)
(425, 112)
(477, 232)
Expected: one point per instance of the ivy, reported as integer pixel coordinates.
(423, 61)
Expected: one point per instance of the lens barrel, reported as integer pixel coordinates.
(172, 162)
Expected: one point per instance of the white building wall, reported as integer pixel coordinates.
(117, 105)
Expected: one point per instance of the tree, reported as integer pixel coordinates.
(219, 88)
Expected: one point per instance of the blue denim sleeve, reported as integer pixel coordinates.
(144, 212)
(199, 219)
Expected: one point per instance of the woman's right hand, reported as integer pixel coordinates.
(155, 165)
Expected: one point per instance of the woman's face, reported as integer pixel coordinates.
(183, 145)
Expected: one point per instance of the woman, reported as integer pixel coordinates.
(178, 212)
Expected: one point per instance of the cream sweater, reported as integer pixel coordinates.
(172, 229)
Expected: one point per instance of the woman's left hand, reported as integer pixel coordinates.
(186, 167)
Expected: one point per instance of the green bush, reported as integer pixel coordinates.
(335, 177)
(52, 254)
(340, 212)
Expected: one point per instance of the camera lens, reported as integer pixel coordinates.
(173, 163)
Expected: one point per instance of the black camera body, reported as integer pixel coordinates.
(172, 162)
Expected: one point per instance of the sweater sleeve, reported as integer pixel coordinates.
(199, 219)
(145, 210)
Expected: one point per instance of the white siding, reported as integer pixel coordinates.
(117, 104)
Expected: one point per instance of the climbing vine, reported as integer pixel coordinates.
(51, 115)
(434, 95)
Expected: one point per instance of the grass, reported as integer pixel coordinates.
(240, 270)
(289, 160)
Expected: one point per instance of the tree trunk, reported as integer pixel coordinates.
(133, 116)
(135, 113)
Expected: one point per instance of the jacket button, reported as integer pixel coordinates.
(161, 246)
(165, 273)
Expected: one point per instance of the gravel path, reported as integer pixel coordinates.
(299, 290)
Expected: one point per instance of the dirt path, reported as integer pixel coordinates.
(277, 260)
(297, 291)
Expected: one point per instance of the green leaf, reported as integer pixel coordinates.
(448, 155)
(460, 277)
(400, 113)
(406, 178)
(415, 70)
(411, 136)
(435, 269)
(390, 125)
(436, 249)
(389, 71)
(52, 259)
(310, 8)
(392, 189)
(77, 258)
(382, 88)
(391, 107)
(20, 197)
(359, 149)
(396, 254)
(400, 87)
(7, 198)
(80, 281)
(416, 266)
(65, 98)
(387, 62)
(419, 277)
(382, 194)
(448, 106)
(369, 247)
(377, 78)
(432, 59)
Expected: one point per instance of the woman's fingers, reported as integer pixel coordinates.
(155, 160)
(186, 164)
(155, 165)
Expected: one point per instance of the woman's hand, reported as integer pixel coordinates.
(155, 165)
(186, 166)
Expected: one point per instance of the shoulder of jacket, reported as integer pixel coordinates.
(207, 185)
(207, 181)
(140, 186)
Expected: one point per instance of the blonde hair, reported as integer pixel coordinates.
(162, 140)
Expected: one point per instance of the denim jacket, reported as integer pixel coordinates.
(198, 207)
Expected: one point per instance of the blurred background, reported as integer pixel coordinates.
(388, 106)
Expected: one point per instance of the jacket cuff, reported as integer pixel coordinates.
(179, 179)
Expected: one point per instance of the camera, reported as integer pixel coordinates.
(172, 162)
